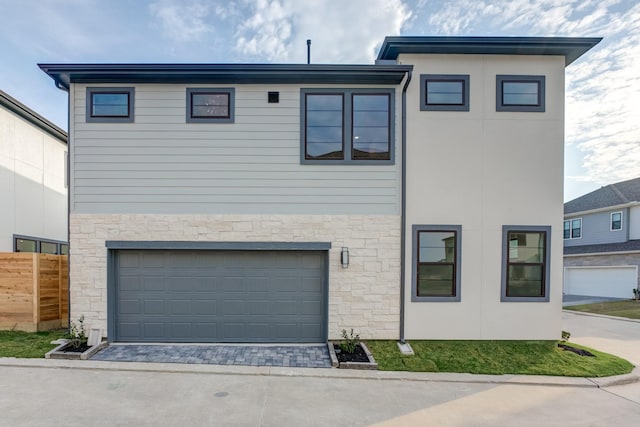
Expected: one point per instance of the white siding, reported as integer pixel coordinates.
(161, 164)
(33, 197)
(483, 169)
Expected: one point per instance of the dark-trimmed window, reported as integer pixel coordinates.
(110, 104)
(210, 105)
(525, 264)
(572, 228)
(520, 93)
(444, 92)
(616, 221)
(34, 244)
(347, 126)
(436, 262)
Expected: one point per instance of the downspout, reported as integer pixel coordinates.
(403, 202)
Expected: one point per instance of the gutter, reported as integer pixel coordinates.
(403, 212)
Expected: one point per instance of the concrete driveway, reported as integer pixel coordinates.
(81, 393)
(619, 337)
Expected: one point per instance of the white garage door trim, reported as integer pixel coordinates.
(621, 278)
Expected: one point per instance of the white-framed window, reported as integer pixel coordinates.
(572, 229)
(616, 221)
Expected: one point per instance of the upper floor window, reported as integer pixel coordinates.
(436, 262)
(520, 93)
(210, 105)
(110, 104)
(444, 92)
(616, 221)
(572, 228)
(347, 126)
(525, 263)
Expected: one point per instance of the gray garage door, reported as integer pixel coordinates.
(220, 296)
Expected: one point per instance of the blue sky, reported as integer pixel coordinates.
(603, 88)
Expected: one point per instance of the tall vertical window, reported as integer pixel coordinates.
(210, 105)
(444, 92)
(520, 93)
(525, 270)
(436, 262)
(110, 104)
(566, 232)
(347, 126)
(616, 221)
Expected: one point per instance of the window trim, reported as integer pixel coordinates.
(38, 241)
(611, 221)
(415, 229)
(90, 118)
(570, 222)
(506, 229)
(538, 108)
(231, 92)
(347, 125)
(464, 78)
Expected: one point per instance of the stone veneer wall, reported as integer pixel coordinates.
(604, 261)
(365, 296)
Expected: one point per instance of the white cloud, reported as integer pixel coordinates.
(183, 20)
(341, 31)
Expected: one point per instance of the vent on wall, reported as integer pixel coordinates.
(273, 97)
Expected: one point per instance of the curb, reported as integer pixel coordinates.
(529, 380)
(603, 316)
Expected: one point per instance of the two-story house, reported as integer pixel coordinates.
(33, 188)
(602, 241)
(418, 197)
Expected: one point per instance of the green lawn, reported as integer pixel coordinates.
(29, 345)
(496, 357)
(628, 308)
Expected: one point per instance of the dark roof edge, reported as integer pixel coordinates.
(570, 47)
(65, 74)
(32, 117)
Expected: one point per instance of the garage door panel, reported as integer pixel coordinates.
(220, 296)
(614, 282)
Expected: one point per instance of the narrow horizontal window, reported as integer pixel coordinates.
(520, 93)
(26, 245)
(110, 105)
(347, 126)
(210, 105)
(436, 263)
(616, 221)
(444, 92)
(525, 271)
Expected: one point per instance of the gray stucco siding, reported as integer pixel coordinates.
(596, 229)
(161, 164)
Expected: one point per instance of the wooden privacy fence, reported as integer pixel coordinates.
(34, 291)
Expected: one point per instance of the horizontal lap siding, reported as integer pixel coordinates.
(161, 164)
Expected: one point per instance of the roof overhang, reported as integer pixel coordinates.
(569, 47)
(31, 116)
(65, 74)
(603, 209)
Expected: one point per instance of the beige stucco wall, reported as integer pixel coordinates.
(483, 169)
(365, 296)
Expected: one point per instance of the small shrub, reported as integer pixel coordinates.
(636, 293)
(77, 333)
(349, 342)
(565, 336)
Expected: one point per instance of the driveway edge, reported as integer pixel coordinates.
(604, 316)
(532, 380)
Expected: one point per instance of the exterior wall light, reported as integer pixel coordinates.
(344, 257)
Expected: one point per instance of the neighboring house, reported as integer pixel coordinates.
(602, 241)
(33, 190)
(417, 198)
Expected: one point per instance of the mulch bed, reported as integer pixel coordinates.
(80, 349)
(577, 351)
(358, 356)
